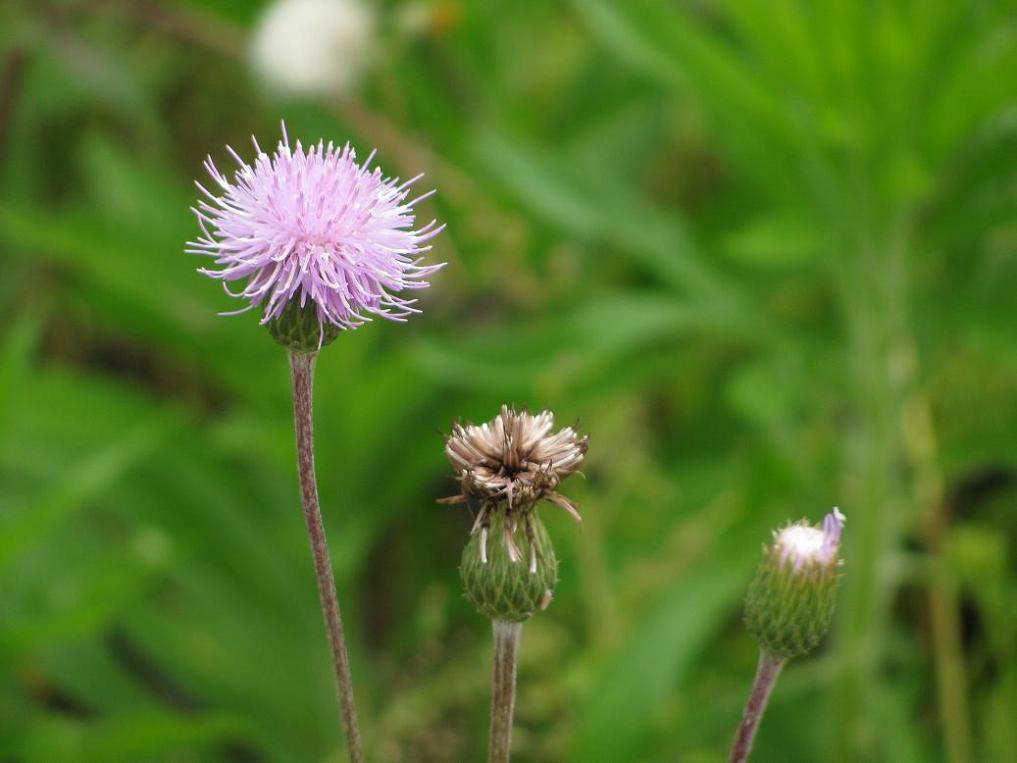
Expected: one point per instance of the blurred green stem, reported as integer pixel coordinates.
(12, 74)
(951, 674)
(503, 689)
(874, 499)
(885, 478)
(767, 674)
(302, 368)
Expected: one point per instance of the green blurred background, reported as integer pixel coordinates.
(764, 251)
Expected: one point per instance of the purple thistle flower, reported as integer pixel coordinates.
(314, 225)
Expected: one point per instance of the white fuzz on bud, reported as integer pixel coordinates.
(802, 544)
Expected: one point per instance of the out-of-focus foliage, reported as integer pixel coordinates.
(764, 252)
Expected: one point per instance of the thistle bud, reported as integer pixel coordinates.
(790, 601)
(514, 576)
(298, 328)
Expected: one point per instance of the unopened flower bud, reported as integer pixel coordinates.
(509, 569)
(791, 600)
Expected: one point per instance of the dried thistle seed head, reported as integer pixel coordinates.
(506, 465)
(514, 460)
(790, 601)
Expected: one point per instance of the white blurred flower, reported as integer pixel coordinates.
(313, 47)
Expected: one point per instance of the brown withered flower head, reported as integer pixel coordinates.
(509, 464)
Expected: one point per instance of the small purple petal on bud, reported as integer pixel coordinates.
(833, 525)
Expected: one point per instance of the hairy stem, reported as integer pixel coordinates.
(503, 689)
(302, 368)
(766, 677)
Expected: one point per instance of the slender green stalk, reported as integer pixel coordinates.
(302, 369)
(894, 428)
(503, 689)
(873, 491)
(767, 674)
(951, 680)
(944, 608)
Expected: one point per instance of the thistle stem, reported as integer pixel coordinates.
(766, 677)
(302, 369)
(503, 689)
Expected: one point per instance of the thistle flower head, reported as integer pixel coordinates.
(514, 459)
(315, 228)
(791, 599)
(507, 465)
